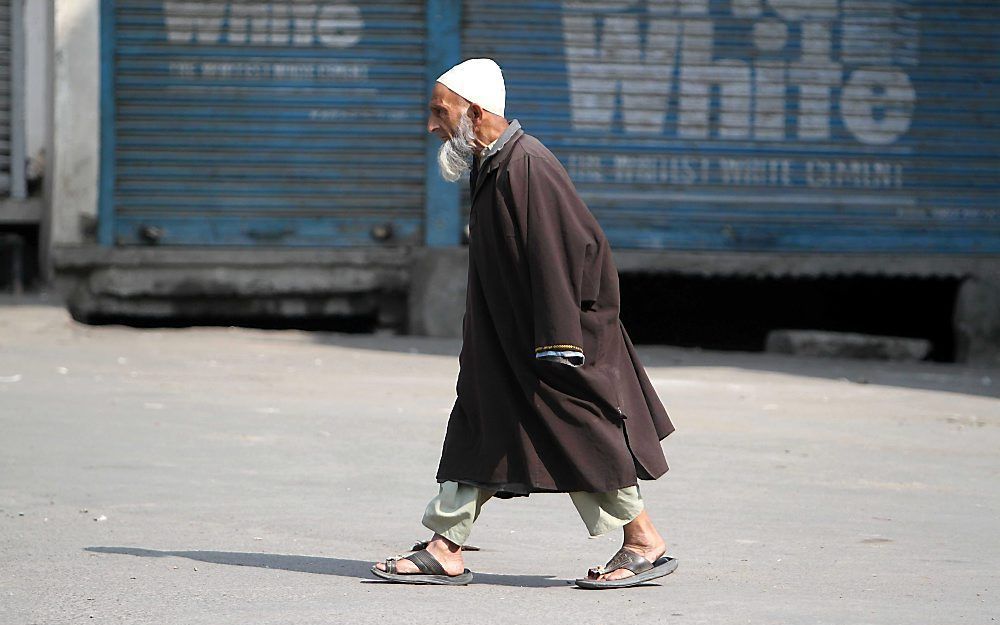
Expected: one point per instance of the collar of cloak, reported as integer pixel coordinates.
(497, 156)
(505, 136)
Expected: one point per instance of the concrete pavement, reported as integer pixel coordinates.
(218, 475)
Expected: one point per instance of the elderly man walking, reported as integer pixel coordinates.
(551, 394)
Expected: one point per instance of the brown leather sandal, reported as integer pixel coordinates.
(431, 571)
(643, 570)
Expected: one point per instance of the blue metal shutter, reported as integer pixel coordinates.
(288, 123)
(781, 125)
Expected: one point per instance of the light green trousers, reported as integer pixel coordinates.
(457, 506)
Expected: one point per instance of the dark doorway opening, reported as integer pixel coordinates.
(736, 313)
(19, 270)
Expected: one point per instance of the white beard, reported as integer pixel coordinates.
(455, 155)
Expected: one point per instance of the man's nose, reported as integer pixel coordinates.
(432, 125)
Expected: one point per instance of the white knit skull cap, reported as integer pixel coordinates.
(479, 81)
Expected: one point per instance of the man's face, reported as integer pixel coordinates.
(446, 110)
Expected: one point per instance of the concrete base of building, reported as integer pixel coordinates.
(436, 304)
(422, 290)
(183, 283)
(977, 319)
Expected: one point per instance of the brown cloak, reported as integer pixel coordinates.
(541, 274)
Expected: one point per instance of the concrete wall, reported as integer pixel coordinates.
(76, 120)
(36, 82)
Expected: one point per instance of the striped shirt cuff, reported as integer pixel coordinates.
(572, 358)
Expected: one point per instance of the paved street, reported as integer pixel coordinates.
(215, 476)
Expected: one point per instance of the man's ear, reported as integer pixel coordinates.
(475, 113)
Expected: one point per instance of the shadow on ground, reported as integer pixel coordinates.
(322, 566)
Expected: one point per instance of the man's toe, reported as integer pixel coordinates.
(403, 566)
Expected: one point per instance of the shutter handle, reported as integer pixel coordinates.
(150, 234)
(382, 232)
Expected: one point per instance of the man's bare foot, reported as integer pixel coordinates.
(642, 538)
(446, 552)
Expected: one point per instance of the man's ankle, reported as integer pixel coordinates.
(443, 542)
